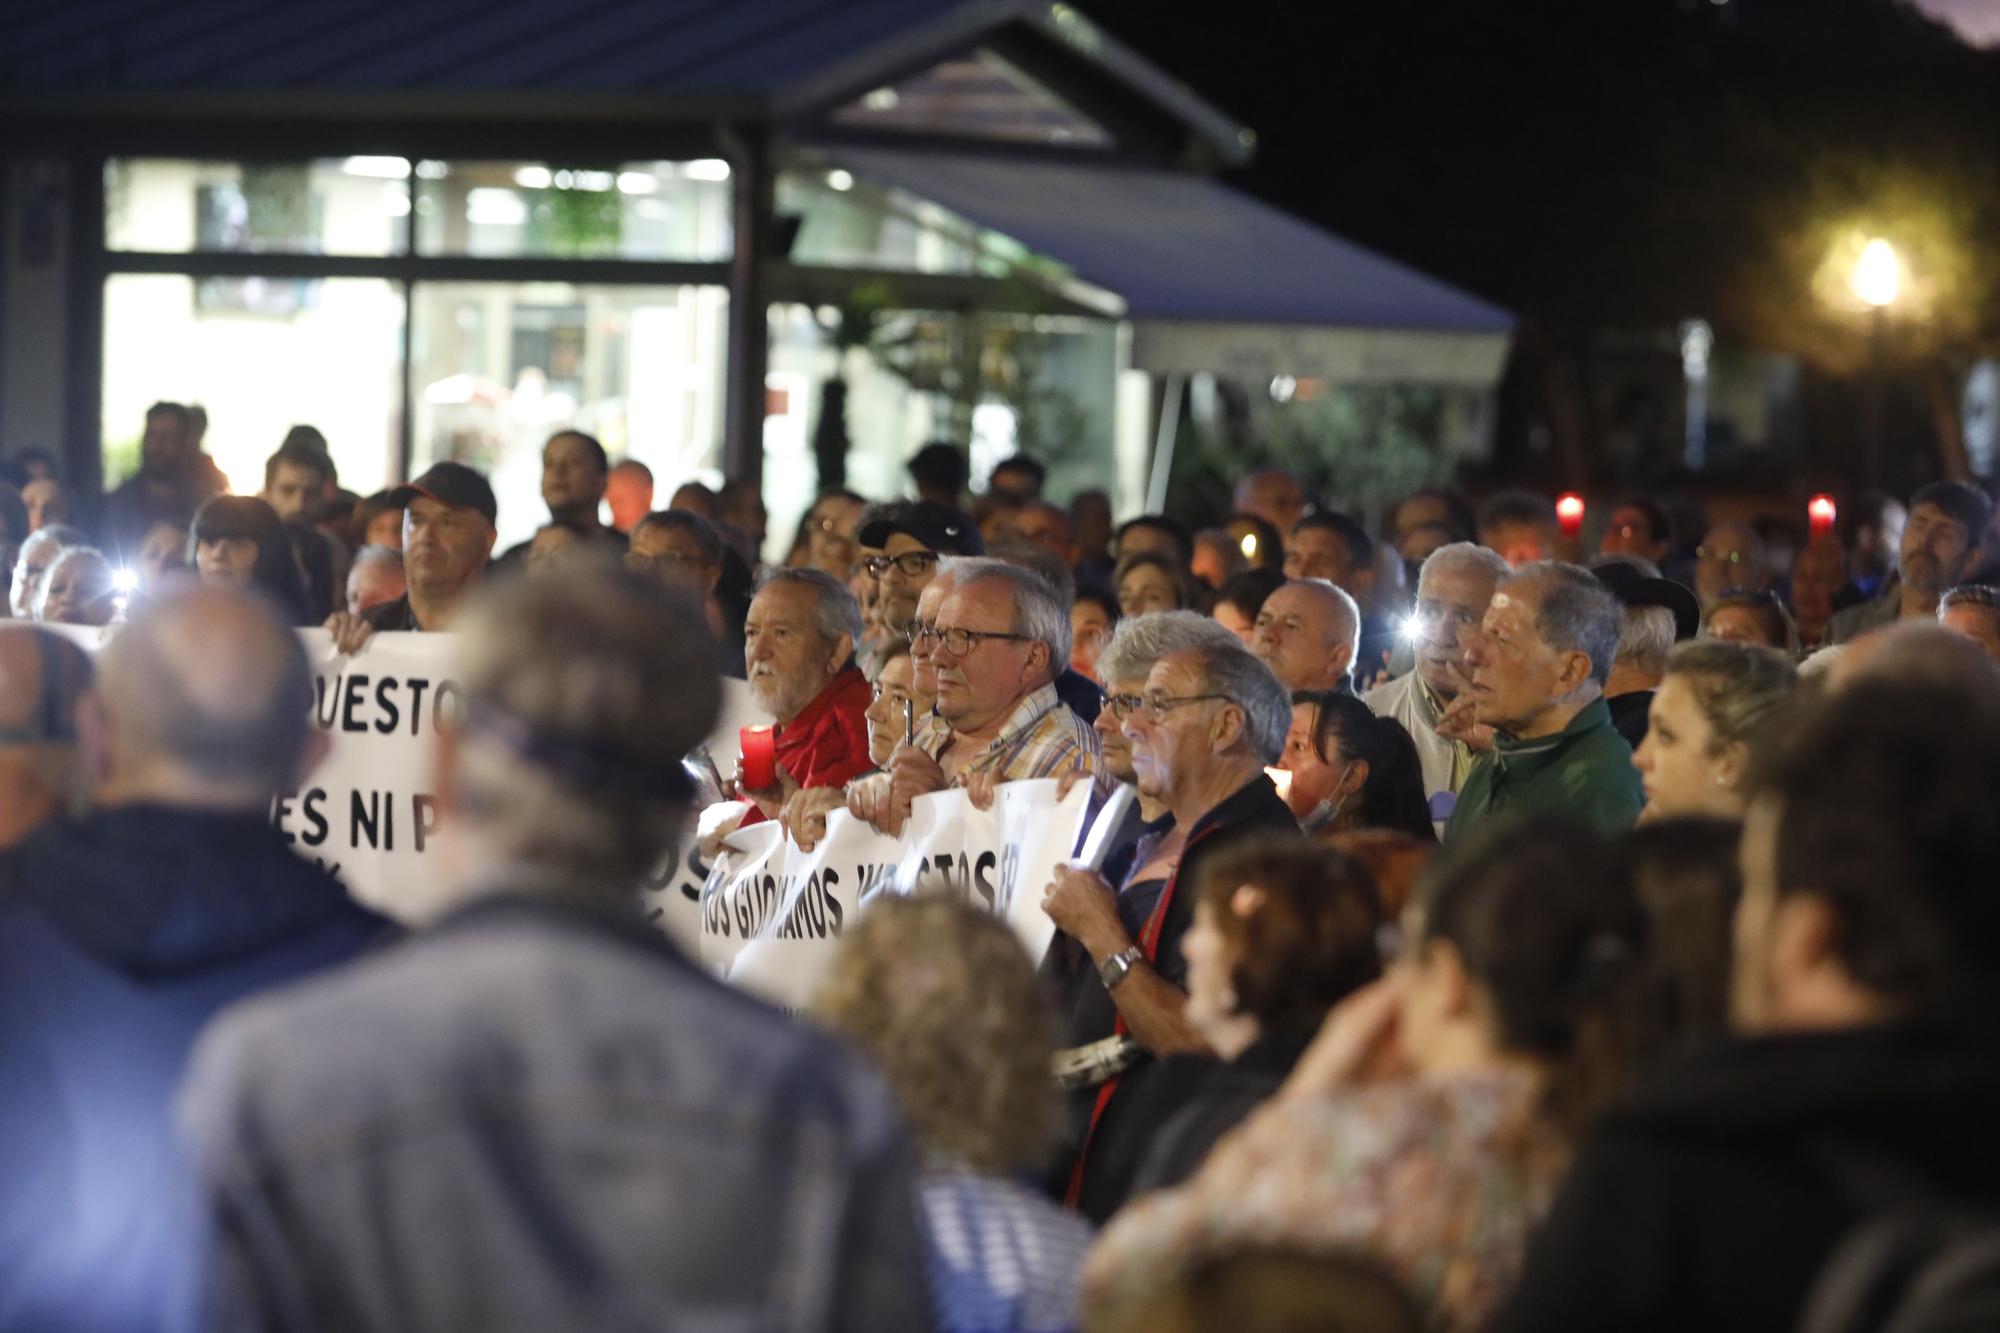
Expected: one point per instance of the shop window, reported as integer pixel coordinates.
(326, 354)
(498, 367)
(632, 210)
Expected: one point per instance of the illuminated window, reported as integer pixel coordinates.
(632, 210)
(334, 206)
(498, 367)
(332, 358)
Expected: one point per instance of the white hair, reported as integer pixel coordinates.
(1141, 641)
(1229, 669)
(836, 612)
(1465, 555)
(1039, 612)
(1647, 638)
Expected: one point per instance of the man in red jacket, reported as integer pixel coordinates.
(798, 646)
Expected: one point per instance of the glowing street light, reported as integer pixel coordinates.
(1878, 274)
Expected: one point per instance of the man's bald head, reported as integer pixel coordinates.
(207, 684)
(1915, 651)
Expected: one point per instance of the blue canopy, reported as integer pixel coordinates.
(1212, 279)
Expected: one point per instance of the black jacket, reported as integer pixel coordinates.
(1712, 1202)
(1143, 1100)
(1224, 1095)
(120, 935)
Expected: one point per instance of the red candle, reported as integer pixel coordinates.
(1820, 510)
(1569, 512)
(760, 757)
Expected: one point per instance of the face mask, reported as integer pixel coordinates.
(1322, 815)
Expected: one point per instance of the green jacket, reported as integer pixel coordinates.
(1584, 771)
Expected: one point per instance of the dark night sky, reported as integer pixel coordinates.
(1569, 152)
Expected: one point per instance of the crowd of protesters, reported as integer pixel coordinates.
(1503, 935)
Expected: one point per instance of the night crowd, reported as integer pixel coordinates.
(1511, 931)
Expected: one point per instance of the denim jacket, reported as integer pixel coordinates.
(530, 1117)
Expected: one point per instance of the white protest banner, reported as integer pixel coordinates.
(772, 914)
(777, 932)
(368, 812)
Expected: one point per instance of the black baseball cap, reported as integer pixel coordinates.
(1632, 587)
(939, 527)
(452, 484)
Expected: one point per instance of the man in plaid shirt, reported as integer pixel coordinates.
(998, 641)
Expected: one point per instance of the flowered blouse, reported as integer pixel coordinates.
(1438, 1179)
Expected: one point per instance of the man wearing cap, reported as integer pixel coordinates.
(448, 538)
(1658, 614)
(42, 677)
(901, 544)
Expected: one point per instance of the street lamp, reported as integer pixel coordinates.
(1877, 279)
(1878, 274)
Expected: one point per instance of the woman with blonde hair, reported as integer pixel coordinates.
(1713, 707)
(946, 1001)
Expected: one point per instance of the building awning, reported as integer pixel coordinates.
(1212, 279)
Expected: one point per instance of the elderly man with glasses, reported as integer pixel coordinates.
(998, 641)
(1209, 720)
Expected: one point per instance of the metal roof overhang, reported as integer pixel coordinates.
(1211, 279)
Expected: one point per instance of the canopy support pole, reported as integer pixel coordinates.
(1163, 443)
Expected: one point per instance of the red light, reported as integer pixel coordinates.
(1569, 510)
(1820, 510)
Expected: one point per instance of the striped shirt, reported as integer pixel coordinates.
(1002, 1258)
(1042, 738)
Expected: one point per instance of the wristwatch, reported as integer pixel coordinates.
(1118, 966)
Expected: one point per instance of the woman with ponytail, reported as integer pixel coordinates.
(1351, 769)
(1430, 1121)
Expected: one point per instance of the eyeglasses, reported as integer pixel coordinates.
(961, 642)
(1724, 557)
(1159, 705)
(1120, 706)
(910, 563)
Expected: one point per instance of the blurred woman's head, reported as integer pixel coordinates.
(1712, 708)
(1352, 769)
(1525, 948)
(238, 541)
(1283, 930)
(1744, 615)
(945, 1001)
(1147, 582)
(1394, 859)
